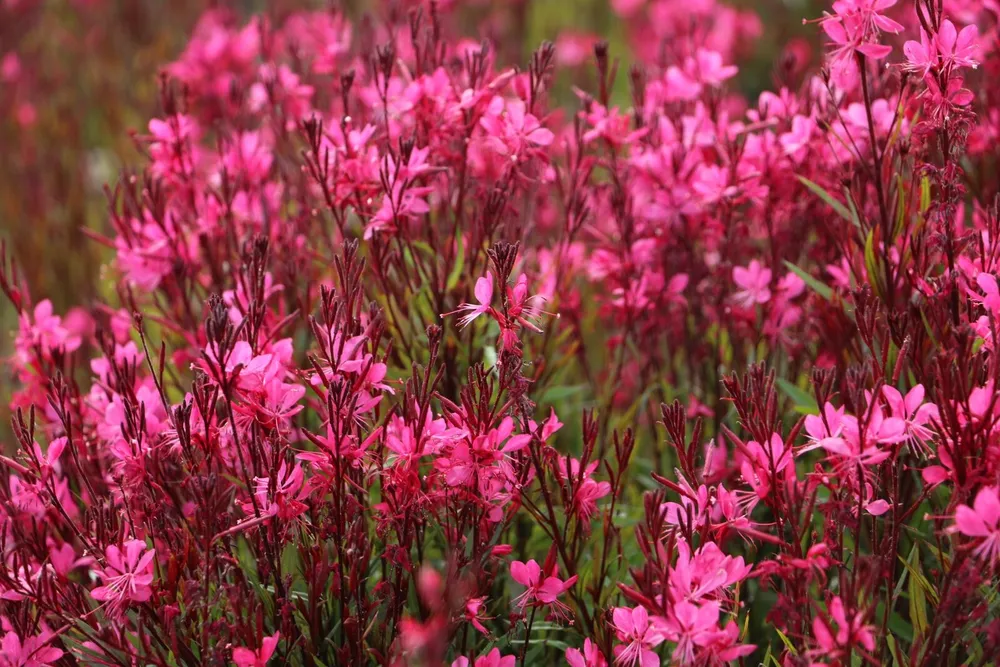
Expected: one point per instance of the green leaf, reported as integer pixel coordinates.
(816, 286)
(804, 402)
(827, 197)
(556, 394)
(855, 218)
(456, 271)
(786, 641)
(871, 263)
(918, 601)
(918, 574)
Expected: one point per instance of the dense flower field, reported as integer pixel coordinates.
(407, 364)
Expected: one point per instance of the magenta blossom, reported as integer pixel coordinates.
(31, 652)
(484, 295)
(244, 657)
(127, 577)
(754, 282)
(639, 636)
(982, 522)
(542, 588)
(491, 659)
(590, 656)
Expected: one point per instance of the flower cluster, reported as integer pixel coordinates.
(410, 361)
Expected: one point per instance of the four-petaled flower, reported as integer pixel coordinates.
(754, 282)
(542, 588)
(126, 577)
(982, 522)
(639, 636)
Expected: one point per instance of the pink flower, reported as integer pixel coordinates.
(522, 310)
(574, 48)
(765, 463)
(795, 143)
(841, 435)
(754, 281)
(513, 132)
(491, 659)
(168, 142)
(639, 637)
(281, 497)
(691, 627)
(610, 125)
(465, 462)
(911, 409)
(44, 331)
(679, 85)
(590, 656)
(540, 590)
(244, 657)
(10, 67)
(404, 202)
(63, 559)
(855, 27)
(937, 474)
(32, 652)
(126, 578)
(706, 66)
(587, 494)
(953, 95)
(837, 632)
(920, 56)
(956, 48)
(982, 521)
(274, 406)
(706, 574)
(474, 614)
(484, 295)
(990, 297)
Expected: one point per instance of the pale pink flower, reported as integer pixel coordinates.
(982, 522)
(917, 416)
(574, 48)
(795, 143)
(959, 49)
(990, 297)
(44, 330)
(484, 295)
(127, 577)
(754, 282)
(639, 636)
